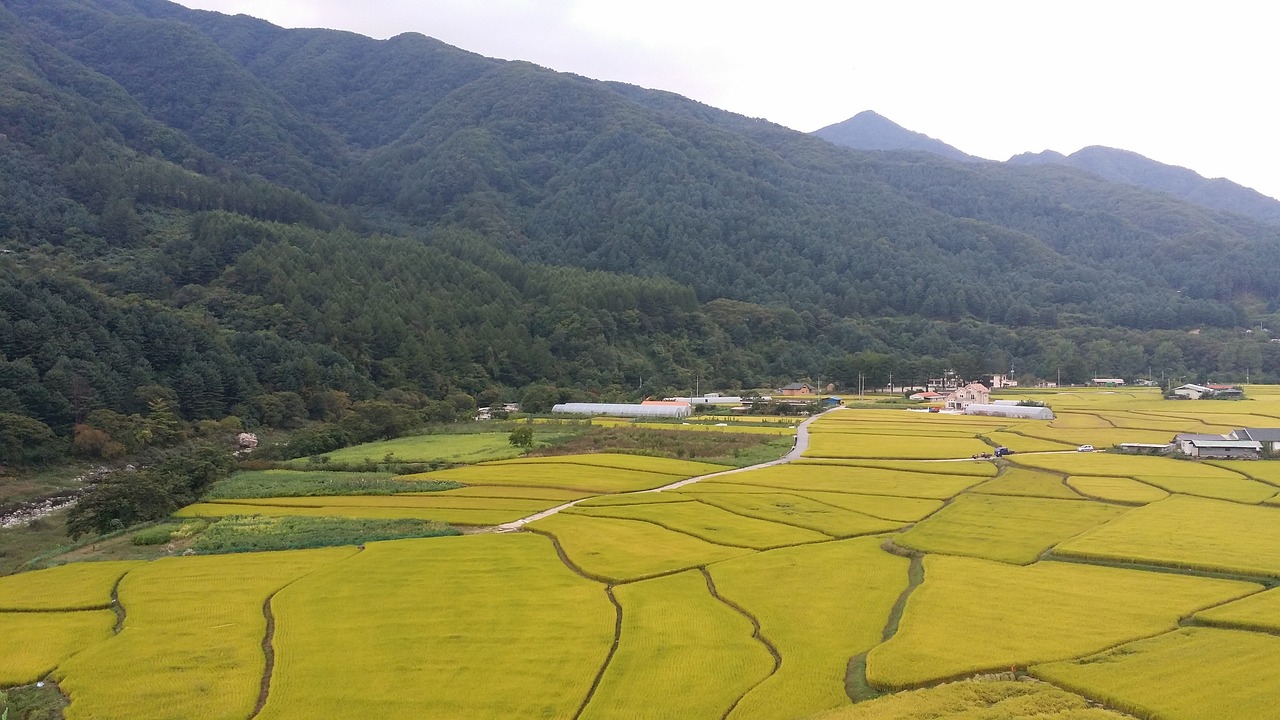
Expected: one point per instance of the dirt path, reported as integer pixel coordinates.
(801, 444)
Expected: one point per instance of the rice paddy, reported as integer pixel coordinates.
(191, 642)
(1116, 489)
(1259, 612)
(1189, 674)
(978, 700)
(710, 523)
(683, 653)
(79, 586)
(35, 642)
(1006, 528)
(484, 626)
(776, 592)
(853, 605)
(974, 616)
(860, 480)
(617, 550)
(1188, 532)
(1030, 483)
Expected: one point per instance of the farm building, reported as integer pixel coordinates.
(710, 399)
(1010, 411)
(1269, 437)
(675, 410)
(1182, 441)
(927, 396)
(1209, 392)
(1191, 391)
(797, 388)
(1221, 448)
(973, 393)
(1107, 382)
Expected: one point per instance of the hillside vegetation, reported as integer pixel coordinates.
(209, 215)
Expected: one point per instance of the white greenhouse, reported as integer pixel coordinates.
(1029, 412)
(672, 410)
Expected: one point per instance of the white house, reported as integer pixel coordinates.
(968, 395)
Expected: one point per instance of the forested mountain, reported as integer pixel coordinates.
(869, 130)
(207, 215)
(1130, 168)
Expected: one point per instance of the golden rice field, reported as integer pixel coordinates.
(615, 550)
(486, 626)
(191, 642)
(976, 468)
(972, 616)
(636, 498)
(710, 523)
(885, 507)
(1257, 612)
(1139, 583)
(862, 480)
(977, 700)
(1030, 483)
(853, 608)
(682, 653)
(853, 445)
(1019, 442)
(1116, 489)
(33, 643)
(1188, 532)
(801, 512)
(78, 586)
(1006, 528)
(1189, 674)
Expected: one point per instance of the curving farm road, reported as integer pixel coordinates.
(801, 444)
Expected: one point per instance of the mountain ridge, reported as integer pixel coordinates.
(1130, 168)
(279, 215)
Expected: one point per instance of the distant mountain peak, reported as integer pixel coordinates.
(1130, 168)
(869, 130)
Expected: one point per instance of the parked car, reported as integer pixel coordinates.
(1085, 448)
(1002, 451)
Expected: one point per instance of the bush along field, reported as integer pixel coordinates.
(886, 573)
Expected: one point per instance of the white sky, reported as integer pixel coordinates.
(1184, 83)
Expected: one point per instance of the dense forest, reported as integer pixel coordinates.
(204, 216)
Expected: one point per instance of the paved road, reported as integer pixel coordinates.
(801, 444)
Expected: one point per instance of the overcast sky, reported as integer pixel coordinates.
(1185, 83)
